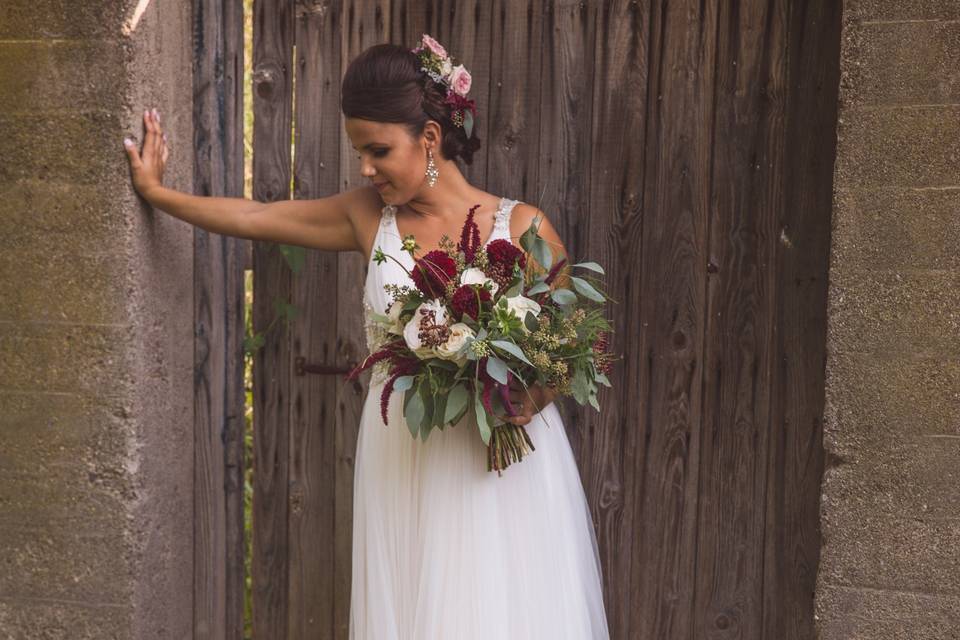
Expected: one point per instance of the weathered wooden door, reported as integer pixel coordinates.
(688, 146)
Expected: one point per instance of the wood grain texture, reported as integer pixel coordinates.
(219, 398)
(273, 31)
(686, 146)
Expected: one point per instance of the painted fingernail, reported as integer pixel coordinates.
(156, 115)
(127, 142)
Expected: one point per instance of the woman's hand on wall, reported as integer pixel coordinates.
(147, 167)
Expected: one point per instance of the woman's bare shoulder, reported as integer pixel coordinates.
(365, 208)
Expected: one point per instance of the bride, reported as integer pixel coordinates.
(442, 548)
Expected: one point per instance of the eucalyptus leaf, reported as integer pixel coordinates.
(467, 122)
(413, 411)
(563, 296)
(530, 322)
(456, 402)
(497, 369)
(439, 410)
(481, 414)
(602, 379)
(541, 253)
(379, 317)
(593, 401)
(510, 348)
(403, 383)
(593, 266)
(586, 289)
(539, 287)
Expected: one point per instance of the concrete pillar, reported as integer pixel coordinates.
(96, 325)
(890, 562)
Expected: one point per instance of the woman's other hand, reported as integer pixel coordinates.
(147, 167)
(527, 402)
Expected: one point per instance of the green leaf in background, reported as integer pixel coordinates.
(413, 410)
(294, 256)
(563, 296)
(481, 413)
(541, 253)
(510, 348)
(456, 402)
(585, 289)
(513, 291)
(593, 266)
(497, 369)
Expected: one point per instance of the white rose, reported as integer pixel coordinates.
(459, 332)
(394, 314)
(473, 275)
(411, 332)
(521, 306)
(446, 67)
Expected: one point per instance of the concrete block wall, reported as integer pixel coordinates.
(890, 507)
(96, 331)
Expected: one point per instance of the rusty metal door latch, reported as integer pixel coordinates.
(301, 367)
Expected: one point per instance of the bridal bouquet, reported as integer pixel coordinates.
(480, 317)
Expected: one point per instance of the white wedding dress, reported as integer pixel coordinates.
(444, 549)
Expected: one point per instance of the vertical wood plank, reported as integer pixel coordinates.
(272, 102)
(312, 479)
(675, 187)
(614, 452)
(796, 460)
(218, 314)
(745, 197)
(566, 115)
(514, 107)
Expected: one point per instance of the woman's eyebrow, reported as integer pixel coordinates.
(371, 144)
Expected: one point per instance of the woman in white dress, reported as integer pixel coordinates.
(442, 548)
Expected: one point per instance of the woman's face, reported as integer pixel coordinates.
(389, 157)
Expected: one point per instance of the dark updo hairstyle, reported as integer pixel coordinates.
(385, 84)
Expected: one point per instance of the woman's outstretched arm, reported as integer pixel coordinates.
(322, 223)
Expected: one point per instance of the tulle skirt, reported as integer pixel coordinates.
(445, 550)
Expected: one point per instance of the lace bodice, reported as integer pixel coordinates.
(389, 241)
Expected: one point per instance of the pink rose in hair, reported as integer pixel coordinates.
(434, 46)
(460, 80)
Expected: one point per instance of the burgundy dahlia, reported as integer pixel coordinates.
(467, 299)
(501, 256)
(432, 272)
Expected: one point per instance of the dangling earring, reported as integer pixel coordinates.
(432, 171)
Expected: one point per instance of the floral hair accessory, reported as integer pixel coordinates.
(437, 63)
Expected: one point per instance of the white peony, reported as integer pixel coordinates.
(473, 275)
(411, 332)
(459, 332)
(521, 306)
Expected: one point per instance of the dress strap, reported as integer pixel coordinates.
(501, 224)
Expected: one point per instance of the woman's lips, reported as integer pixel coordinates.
(380, 185)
